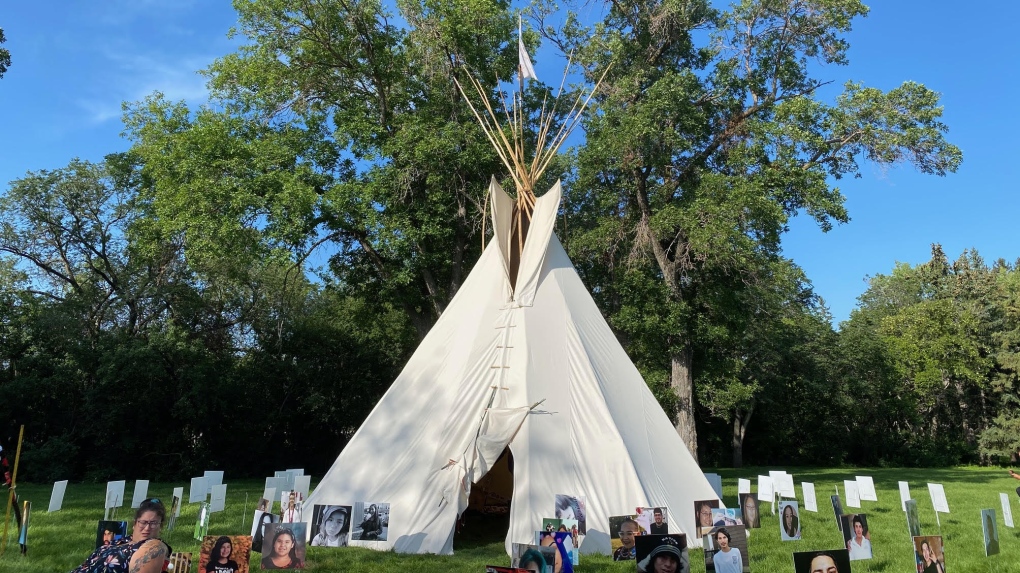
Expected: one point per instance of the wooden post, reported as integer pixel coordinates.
(10, 495)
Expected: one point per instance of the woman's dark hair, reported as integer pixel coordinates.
(223, 540)
(151, 504)
(795, 526)
(293, 546)
(722, 531)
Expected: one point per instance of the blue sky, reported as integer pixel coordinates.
(75, 62)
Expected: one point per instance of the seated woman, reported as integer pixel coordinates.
(144, 552)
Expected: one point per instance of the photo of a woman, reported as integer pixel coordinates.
(928, 555)
(219, 557)
(749, 507)
(258, 528)
(371, 525)
(703, 515)
(332, 526)
(790, 522)
(284, 546)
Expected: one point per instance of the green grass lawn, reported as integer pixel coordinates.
(60, 541)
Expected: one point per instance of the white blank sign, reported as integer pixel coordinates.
(140, 493)
(866, 487)
(810, 502)
(57, 497)
(743, 485)
(938, 497)
(853, 495)
(715, 480)
(212, 478)
(904, 494)
(115, 494)
(219, 498)
(1007, 512)
(782, 483)
(302, 484)
(199, 490)
(765, 489)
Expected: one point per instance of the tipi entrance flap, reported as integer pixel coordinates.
(543, 219)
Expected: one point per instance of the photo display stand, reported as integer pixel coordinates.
(57, 497)
(1007, 511)
(938, 502)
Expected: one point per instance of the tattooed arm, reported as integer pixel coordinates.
(149, 558)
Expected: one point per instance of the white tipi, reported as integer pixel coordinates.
(520, 359)
(467, 393)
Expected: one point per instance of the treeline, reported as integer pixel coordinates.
(239, 288)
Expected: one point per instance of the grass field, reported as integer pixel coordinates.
(60, 541)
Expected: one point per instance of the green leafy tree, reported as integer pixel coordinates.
(697, 153)
(5, 55)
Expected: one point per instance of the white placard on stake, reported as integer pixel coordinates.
(866, 487)
(57, 497)
(853, 494)
(810, 502)
(140, 492)
(218, 497)
(212, 478)
(198, 491)
(938, 497)
(904, 494)
(743, 486)
(288, 480)
(765, 489)
(1007, 511)
(786, 487)
(269, 494)
(179, 494)
(115, 494)
(302, 485)
(714, 480)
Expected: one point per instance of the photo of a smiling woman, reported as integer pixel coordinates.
(331, 525)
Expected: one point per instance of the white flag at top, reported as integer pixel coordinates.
(523, 59)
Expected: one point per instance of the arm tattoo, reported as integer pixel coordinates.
(154, 552)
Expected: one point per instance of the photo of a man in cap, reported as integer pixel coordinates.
(662, 554)
(331, 525)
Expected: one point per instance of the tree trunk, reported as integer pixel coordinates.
(681, 380)
(741, 418)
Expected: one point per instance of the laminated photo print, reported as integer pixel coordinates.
(565, 556)
(532, 557)
(990, 531)
(370, 521)
(258, 528)
(549, 524)
(571, 507)
(290, 506)
(856, 535)
(498, 569)
(837, 509)
(749, 511)
(623, 532)
(726, 550)
(331, 525)
(913, 518)
(703, 515)
(726, 517)
(202, 523)
(789, 521)
(653, 520)
(110, 532)
(929, 554)
(832, 561)
(662, 552)
(223, 554)
(284, 546)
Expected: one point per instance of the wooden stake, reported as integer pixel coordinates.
(10, 496)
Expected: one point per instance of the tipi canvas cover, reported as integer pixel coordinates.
(472, 387)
